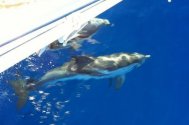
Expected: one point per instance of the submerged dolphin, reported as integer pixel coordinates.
(86, 31)
(84, 67)
(76, 37)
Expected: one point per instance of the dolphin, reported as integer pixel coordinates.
(113, 66)
(76, 37)
(86, 31)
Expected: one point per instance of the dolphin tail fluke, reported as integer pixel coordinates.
(21, 92)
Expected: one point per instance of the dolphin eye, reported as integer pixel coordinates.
(73, 68)
(124, 58)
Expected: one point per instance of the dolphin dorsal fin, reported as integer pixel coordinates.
(83, 59)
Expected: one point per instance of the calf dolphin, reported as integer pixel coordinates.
(113, 66)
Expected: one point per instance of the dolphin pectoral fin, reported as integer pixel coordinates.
(21, 92)
(119, 81)
(75, 46)
(92, 41)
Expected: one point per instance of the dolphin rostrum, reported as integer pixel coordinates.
(113, 66)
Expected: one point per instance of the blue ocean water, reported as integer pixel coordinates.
(154, 94)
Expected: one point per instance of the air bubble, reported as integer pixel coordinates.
(31, 98)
